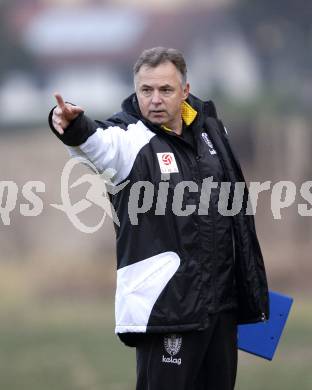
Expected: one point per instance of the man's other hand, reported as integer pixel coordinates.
(64, 113)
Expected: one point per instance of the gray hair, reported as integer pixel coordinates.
(159, 55)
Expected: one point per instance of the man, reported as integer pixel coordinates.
(186, 273)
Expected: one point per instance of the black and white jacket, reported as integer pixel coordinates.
(175, 267)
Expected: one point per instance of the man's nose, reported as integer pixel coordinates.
(156, 98)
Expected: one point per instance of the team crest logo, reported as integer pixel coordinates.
(173, 344)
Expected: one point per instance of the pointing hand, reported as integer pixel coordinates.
(63, 114)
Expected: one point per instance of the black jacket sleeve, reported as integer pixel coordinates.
(78, 131)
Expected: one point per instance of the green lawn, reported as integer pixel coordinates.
(71, 346)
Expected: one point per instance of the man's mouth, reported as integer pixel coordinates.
(157, 112)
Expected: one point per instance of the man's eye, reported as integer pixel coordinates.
(146, 91)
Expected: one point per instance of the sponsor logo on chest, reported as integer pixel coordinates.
(167, 162)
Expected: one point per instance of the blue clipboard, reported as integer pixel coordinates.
(262, 338)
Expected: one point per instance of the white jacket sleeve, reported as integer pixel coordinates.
(114, 148)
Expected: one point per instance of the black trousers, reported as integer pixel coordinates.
(199, 360)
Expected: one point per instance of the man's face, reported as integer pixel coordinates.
(160, 93)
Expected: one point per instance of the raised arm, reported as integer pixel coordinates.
(111, 144)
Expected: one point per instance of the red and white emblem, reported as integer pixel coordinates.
(166, 158)
(167, 163)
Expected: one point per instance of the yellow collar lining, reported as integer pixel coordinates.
(188, 113)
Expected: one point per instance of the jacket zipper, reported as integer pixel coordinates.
(197, 157)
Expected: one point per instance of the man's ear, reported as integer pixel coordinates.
(186, 91)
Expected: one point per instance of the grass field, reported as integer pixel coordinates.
(70, 345)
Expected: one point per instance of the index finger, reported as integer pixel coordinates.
(59, 100)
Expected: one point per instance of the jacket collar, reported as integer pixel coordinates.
(192, 109)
